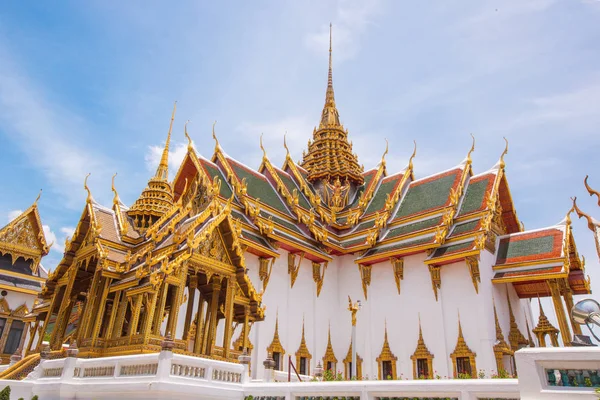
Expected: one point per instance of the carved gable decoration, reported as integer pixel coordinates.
(21, 311)
(4, 308)
(215, 248)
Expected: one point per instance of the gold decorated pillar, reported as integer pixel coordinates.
(135, 315)
(199, 325)
(99, 315)
(174, 311)
(33, 328)
(246, 323)
(120, 319)
(229, 298)
(214, 304)
(151, 309)
(64, 311)
(190, 305)
(563, 325)
(162, 301)
(113, 316)
(568, 297)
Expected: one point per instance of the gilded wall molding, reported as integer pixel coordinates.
(473, 264)
(319, 275)
(264, 271)
(398, 269)
(293, 269)
(365, 277)
(436, 279)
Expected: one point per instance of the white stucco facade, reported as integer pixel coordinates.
(401, 312)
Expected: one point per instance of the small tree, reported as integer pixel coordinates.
(5, 393)
(34, 397)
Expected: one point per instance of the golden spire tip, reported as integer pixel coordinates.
(85, 186)
(469, 160)
(214, 135)
(185, 132)
(505, 152)
(591, 191)
(263, 147)
(37, 198)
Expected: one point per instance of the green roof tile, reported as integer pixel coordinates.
(466, 227)
(427, 196)
(282, 222)
(291, 185)
(378, 200)
(213, 171)
(520, 248)
(399, 246)
(474, 197)
(455, 248)
(350, 243)
(256, 239)
(414, 227)
(259, 188)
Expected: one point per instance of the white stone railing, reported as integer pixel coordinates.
(282, 376)
(559, 373)
(544, 374)
(453, 389)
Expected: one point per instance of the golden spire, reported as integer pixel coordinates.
(590, 190)
(214, 135)
(185, 132)
(505, 152)
(384, 153)
(515, 337)
(287, 151)
(37, 198)
(330, 157)
(412, 157)
(116, 199)
(469, 160)
(590, 222)
(544, 325)
(329, 97)
(263, 148)
(162, 171)
(85, 186)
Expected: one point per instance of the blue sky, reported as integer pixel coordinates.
(89, 87)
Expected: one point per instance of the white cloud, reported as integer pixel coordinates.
(352, 18)
(176, 155)
(13, 214)
(43, 130)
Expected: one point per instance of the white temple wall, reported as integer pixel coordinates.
(439, 319)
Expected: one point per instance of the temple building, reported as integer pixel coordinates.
(22, 247)
(225, 258)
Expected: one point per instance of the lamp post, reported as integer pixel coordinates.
(353, 308)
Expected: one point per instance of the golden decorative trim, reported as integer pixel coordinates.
(422, 352)
(264, 271)
(275, 346)
(348, 360)
(386, 355)
(292, 268)
(329, 356)
(501, 348)
(515, 337)
(303, 352)
(319, 276)
(436, 279)
(365, 277)
(543, 328)
(463, 351)
(398, 268)
(473, 264)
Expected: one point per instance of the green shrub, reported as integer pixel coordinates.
(5, 393)
(34, 397)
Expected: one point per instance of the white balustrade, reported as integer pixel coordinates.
(544, 374)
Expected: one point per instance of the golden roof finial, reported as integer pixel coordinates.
(505, 152)
(185, 132)
(590, 222)
(287, 151)
(116, 199)
(385, 152)
(410, 161)
(469, 160)
(329, 97)
(590, 190)
(37, 198)
(263, 148)
(85, 186)
(217, 145)
(163, 168)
